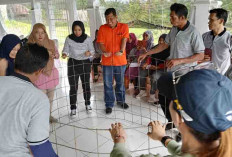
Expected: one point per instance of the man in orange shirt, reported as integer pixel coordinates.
(112, 38)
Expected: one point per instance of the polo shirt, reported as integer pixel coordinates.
(112, 39)
(24, 116)
(221, 47)
(184, 43)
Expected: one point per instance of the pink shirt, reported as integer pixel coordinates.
(49, 82)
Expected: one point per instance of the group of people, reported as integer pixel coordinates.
(49, 78)
(202, 114)
(199, 101)
(152, 67)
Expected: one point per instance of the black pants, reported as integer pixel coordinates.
(164, 103)
(76, 69)
(166, 90)
(96, 63)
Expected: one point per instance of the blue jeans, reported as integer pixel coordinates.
(116, 72)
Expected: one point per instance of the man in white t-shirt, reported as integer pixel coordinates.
(24, 110)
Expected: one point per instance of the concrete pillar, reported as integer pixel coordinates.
(200, 13)
(72, 12)
(36, 12)
(96, 16)
(2, 26)
(51, 19)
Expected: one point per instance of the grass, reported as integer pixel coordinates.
(23, 28)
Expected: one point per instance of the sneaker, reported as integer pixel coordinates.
(141, 94)
(108, 110)
(123, 105)
(53, 120)
(152, 99)
(73, 112)
(88, 108)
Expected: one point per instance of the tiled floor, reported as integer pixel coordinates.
(87, 134)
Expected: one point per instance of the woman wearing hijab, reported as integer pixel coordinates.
(49, 78)
(79, 47)
(8, 49)
(131, 44)
(153, 68)
(146, 44)
(148, 37)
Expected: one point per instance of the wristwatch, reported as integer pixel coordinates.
(163, 140)
(121, 51)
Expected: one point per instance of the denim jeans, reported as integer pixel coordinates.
(109, 74)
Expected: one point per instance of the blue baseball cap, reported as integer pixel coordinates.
(206, 96)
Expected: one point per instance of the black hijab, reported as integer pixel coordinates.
(83, 36)
(8, 43)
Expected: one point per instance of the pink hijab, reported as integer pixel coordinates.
(130, 46)
(47, 43)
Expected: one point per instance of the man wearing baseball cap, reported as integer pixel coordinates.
(202, 113)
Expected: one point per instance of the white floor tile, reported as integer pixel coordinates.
(86, 135)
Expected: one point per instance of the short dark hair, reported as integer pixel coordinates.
(109, 11)
(220, 14)
(179, 9)
(31, 58)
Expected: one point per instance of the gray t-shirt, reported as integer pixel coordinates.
(220, 46)
(184, 43)
(77, 50)
(24, 116)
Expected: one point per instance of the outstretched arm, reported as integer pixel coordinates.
(157, 49)
(194, 58)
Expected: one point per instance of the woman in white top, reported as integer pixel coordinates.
(79, 47)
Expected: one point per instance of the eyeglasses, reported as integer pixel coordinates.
(176, 75)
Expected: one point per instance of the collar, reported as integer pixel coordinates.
(185, 27)
(115, 26)
(211, 33)
(20, 76)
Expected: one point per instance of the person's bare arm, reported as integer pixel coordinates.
(123, 44)
(174, 62)
(103, 49)
(3, 66)
(157, 49)
(122, 47)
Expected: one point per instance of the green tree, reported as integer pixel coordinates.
(82, 4)
(227, 4)
(135, 11)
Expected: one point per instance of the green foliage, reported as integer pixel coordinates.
(227, 4)
(151, 11)
(154, 11)
(135, 11)
(82, 4)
